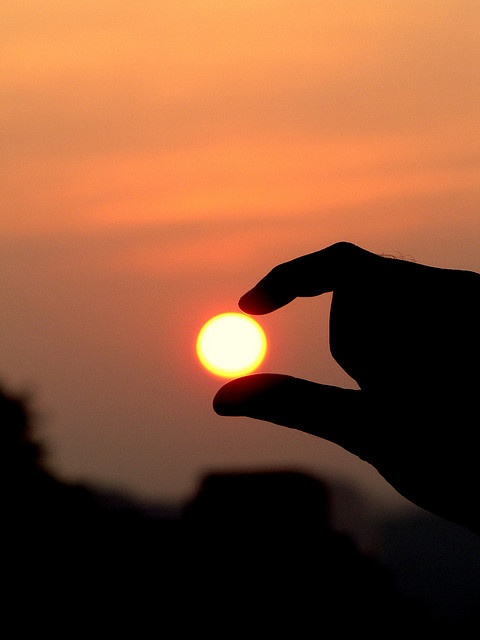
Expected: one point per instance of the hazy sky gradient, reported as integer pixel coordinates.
(160, 157)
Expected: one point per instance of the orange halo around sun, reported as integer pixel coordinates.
(231, 344)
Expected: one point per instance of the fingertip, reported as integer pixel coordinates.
(222, 402)
(251, 303)
(229, 399)
(260, 301)
(239, 396)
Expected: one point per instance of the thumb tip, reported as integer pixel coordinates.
(221, 404)
(237, 397)
(229, 398)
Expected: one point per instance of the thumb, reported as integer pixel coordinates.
(329, 412)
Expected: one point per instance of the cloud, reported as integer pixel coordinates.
(117, 112)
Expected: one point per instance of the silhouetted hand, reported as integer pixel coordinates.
(409, 335)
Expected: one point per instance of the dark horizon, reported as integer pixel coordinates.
(425, 568)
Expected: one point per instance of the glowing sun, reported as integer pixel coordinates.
(231, 344)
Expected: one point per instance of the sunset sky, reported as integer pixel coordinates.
(160, 156)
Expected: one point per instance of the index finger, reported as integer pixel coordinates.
(308, 275)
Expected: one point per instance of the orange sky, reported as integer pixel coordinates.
(122, 113)
(158, 157)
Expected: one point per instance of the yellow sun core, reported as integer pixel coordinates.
(231, 344)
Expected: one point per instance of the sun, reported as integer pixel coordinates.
(231, 344)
